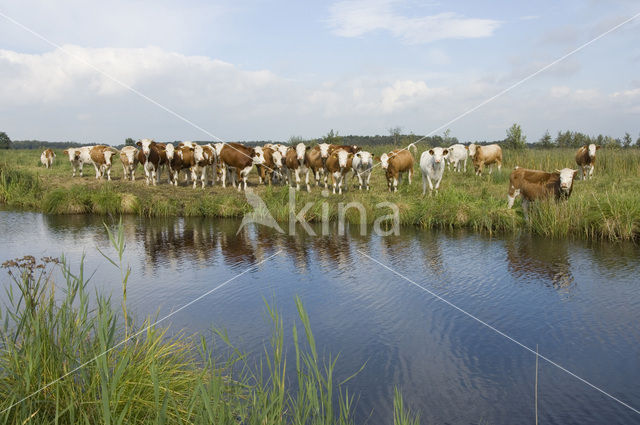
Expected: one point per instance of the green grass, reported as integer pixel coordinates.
(606, 207)
(63, 361)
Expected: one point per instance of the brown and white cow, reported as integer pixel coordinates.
(101, 159)
(239, 160)
(316, 164)
(78, 157)
(152, 155)
(395, 163)
(183, 159)
(338, 165)
(129, 159)
(535, 184)
(204, 158)
(295, 162)
(271, 166)
(46, 158)
(586, 160)
(486, 155)
(349, 148)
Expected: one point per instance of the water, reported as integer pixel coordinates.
(578, 301)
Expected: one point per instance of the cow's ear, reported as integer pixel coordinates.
(466, 147)
(153, 143)
(556, 171)
(445, 152)
(66, 152)
(430, 151)
(139, 143)
(307, 147)
(598, 147)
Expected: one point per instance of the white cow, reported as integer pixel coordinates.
(457, 157)
(432, 167)
(78, 157)
(129, 159)
(362, 165)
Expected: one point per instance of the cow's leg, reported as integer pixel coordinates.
(359, 181)
(133, 174)
(525, 208)
(306, 178)
(513, 194)
(297, 173)
(395, 183)
(368, 177)
(154, 176)
(410, 175)
(424, 185)
(80, 168)
(109, 173)
(465, 165)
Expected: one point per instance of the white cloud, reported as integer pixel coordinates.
(354, 18)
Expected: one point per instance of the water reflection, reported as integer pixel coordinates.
(542, 259)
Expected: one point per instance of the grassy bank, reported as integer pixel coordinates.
(607, 207)
(63, 362)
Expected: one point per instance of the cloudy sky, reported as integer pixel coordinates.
(270, 70)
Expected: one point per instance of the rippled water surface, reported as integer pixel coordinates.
(578, 301)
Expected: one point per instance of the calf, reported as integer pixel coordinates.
(362, 165)
(101, 159)
(432, 164)
(395, 163)
(457, 157)
(338, 165)
(295, 162)
(78, 157)
(586, 160)
(487, 155)
(536, 184)
(129, 159)
(151, 156)
(46, 158)
(240, 159)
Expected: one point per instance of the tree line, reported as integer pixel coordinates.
(515, 139)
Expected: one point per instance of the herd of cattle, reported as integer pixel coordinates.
(277, 163)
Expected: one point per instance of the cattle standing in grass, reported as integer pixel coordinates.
(362, 165)
(457, 157)
(101, 159)
(46, 158)
(78, 157)
(129, 159)
(239, 159)
(536, 184)
(204, 157)
(183, 159)
(295, 163)
(586, 160)
(272, 163)
(316, 165)
(338, 165)
(487, 155)
(432, 164)
(151, 157)
(395, 163)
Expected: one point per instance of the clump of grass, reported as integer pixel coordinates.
(76, 200)
(63, 361)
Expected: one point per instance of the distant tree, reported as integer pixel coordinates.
(564, 140)
(610, 142)
(129, 142)
(546, 141)
(294, 140)
(5, 141)
(395, 132)
(332, 137)
(515, 139)
(626, 140)
(638, 141)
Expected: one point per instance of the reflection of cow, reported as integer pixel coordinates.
(536, 257)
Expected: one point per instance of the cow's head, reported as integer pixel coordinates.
(592, 150)
(198, 153)
(567, 176)
(324, 151)
(472, 149)
(145, 146)
(438, 154)
(257, 155)
(301, 149)
(384, 161)
(355, 148)
(130, 154)
(364, 156)
(171, 151)
(277, 159)
(343, 157)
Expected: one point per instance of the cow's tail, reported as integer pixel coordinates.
(415, 148)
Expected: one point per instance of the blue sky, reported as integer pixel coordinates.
(271, 70)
